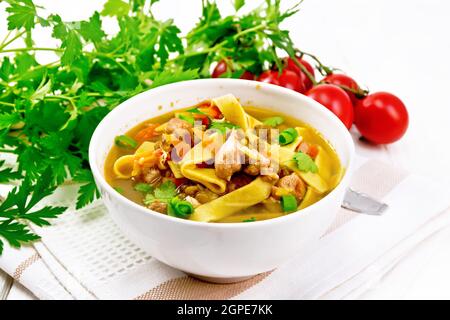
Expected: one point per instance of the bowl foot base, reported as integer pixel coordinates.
(220, 280)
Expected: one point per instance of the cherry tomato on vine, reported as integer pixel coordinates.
(336, 100)
(247, 75)
(381, 118)
(339, 79)
(291, 65)
(222, 68)
(287, 79)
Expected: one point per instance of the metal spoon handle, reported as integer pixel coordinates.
(363, 203)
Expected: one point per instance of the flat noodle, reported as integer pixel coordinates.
(311, 196)
(312, 179)
(234, 113)
(205, 176)
(233, 202)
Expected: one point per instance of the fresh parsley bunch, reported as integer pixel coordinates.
(49, 111)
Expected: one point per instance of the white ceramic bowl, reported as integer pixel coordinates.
(219, 251)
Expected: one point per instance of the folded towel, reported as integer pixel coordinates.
(84, 255)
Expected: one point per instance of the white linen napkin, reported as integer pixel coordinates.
(83, 255)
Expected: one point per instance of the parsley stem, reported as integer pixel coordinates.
(7, 151)
(5, 44)
(7, 104)
(219, 45)
(5, 39)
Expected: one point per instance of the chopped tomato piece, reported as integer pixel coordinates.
(310, 149)
(204, 118)
(147, 133)
(313, 151)
(178, 182)
(212, 111)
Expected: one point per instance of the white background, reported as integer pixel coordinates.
(399, 46)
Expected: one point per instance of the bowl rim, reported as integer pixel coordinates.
(221, 225)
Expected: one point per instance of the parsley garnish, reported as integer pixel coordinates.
(165, 192)
(222, 127)
(252, 219)
(305, 162)
(274, 121)
(143, 187)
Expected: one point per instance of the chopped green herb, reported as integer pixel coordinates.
(143, 187)
(187, 118)
(124, 141)
(252, 219)
(179, 208)
(288, 136)
(195, 110)
(288, 203)
(274, 121)
(222, 126)
(119, 190)
(163, 193)
(305, 163)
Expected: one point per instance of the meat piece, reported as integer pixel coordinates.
(191, 190)
(229, 158)
(238, 181)
(205, 196)
(152, 176)
(158, 206)
(291, 184)
(176, 124)
(252, 169)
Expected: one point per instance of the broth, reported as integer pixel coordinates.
(306, 192)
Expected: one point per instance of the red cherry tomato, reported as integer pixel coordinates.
(336, 100)
(288, 79)
(381, 118)
(222, 68)
(343, 80)
(291, 65)
(247, 75)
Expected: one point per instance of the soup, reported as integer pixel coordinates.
(220, 162)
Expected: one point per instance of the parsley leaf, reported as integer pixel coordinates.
(17, 206)
(143, 187)
(238, 4)
(305, 163)
(165, 192)
(92, 30)
(8, 174)
(168, 76)
(8, 119)
(274, 121)
(87, 192)
(21, 14)
(222, 126)
(115, 8)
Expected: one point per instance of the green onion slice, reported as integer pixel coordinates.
(288, 203)
(288, 136)
(124, 141)
(179, 208)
